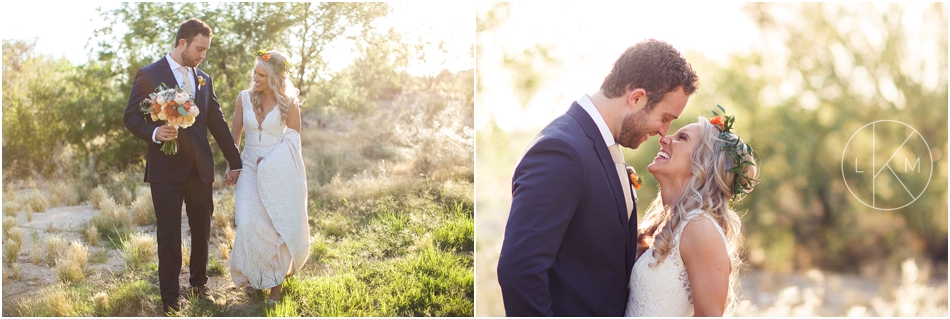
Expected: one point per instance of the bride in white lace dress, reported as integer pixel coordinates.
(689, 238)
(272, 237)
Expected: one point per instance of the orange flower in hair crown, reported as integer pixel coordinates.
(737, 149)
(263, 54)
(719, 121)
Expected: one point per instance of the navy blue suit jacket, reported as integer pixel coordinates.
(569, 245)
(193, 141)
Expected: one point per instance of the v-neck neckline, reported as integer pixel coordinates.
(260, 123)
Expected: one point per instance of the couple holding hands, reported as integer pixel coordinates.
(272, 237)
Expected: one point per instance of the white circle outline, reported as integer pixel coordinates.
(928, 152)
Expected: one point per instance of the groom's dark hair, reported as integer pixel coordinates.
(190, 29)
(654, 66)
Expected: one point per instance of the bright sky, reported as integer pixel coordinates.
(65, 30)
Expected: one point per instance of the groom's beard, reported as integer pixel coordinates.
(189, 60)
(633, 129)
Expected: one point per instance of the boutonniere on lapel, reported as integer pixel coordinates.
(201, 82)
(634, 178)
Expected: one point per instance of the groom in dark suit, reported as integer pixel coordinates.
(570, 241)
(187, 175)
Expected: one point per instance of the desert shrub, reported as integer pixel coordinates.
(54, 301)
(143, 211)
(216, 267)
(91, 234)
(8, 224)
(37, 202)
(10, 251)
(185, 254)
(114, 222)
(11, 208)
(98, 196)
(138, 249)
(54, 248)
(68, 271)
(133, 299)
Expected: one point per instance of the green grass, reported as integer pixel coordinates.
(390, 218)
(133, 299)
(458, 233)
(216, 267)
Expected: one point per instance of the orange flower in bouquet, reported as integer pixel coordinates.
(175, 107)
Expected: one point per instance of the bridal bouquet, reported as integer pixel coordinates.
(175, 107)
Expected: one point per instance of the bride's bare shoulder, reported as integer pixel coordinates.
(701, 240)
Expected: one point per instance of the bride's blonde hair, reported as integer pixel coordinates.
(278, 80)
(709, 190)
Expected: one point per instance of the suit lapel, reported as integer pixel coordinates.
(167, 78)
(590, 128)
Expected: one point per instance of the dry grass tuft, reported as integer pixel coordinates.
(100, 303)
(11, 250)
(138, 249)
(185, 255)
(91, 234)
(54, 248)
(68, 271)
(225, 250)
(56, 192)
(8, 224)
(16, 234)
(16, 271)
(11, 208)
(124, 196)
(78, 253)
(114, 221)
(37, 202)
(55, 301)
(143, 211)
(229, 235)
(99, 196)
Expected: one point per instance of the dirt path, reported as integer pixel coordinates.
(68, 223)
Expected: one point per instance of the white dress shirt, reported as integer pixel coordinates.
(178, 78)
(588, 106)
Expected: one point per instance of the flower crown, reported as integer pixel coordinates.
(266, 58)
(736, 148)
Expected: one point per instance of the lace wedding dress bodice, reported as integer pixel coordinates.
(663, 290)
(264, 134)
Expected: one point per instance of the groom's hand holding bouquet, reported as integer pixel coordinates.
(175, 107)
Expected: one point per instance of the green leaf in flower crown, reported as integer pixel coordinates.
(721, 109)
(181, 110)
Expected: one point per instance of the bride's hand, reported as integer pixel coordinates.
(259, 160)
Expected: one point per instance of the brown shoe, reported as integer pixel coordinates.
(202, 293)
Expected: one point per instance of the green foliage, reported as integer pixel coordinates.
(138, 250)
(132, 299)
(457, 233)
(216, 268)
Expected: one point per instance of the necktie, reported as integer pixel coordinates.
(187, 81)
(621, 166)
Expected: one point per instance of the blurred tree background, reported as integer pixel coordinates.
(387, 140)
(57, 113)
(819, 73)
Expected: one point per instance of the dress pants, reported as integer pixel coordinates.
(167, 199)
